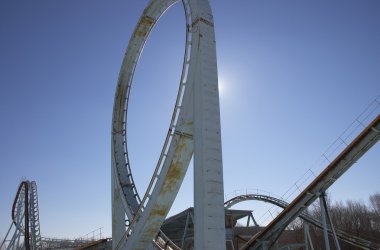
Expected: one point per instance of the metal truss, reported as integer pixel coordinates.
(350, 155)
(194, 127)
(24, 232)
(341, 235)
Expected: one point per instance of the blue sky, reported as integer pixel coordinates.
(293, 75)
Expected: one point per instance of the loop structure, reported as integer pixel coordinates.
(194, 128)
(25, 219)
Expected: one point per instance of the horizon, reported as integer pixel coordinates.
(293, 76)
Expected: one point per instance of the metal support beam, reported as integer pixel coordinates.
(323, 221)
(308, 241)
(350, 155)
(118, 214)
(185, 229)
(336, 242)
(194, 128)
(209, 224)
(350, 239)
(254, 221)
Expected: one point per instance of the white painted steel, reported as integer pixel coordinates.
(195, 120)
(18, 222)
(34, 217)
(26, 194)
(209, 225)
(348, 157)
(341, 235)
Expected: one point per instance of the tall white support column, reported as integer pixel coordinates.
(195, 128)
(118, 214)
(209, 224)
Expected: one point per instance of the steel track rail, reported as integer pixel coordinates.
(147, 214)
(25, 218)
(20, 208)
(18, 205)
(18, 215)
(357, 148)
(34, 217)
(351, 239)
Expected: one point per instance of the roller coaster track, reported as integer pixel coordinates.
(25, 219)
(351, 239)
(357, 148)
(34, 217)
(194, 129)
(198, 90)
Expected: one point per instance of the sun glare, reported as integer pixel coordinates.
(221, 86)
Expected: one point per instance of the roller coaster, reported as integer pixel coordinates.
(194, 131)
(194, 128)
(26, 227)
(24, 231)
(343, 236)
(25, 219)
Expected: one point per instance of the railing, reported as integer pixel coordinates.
(92, 236)
(362, 121)
(55, 243)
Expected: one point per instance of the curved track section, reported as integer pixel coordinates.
(19, 212)
(25, 219)
(351, 239)
(348, 157)
(145, 215)
(256, 197)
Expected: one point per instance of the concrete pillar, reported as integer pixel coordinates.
(208, 168)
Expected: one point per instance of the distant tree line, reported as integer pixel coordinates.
(356, 218)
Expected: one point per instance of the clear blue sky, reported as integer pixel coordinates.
(293, 74)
